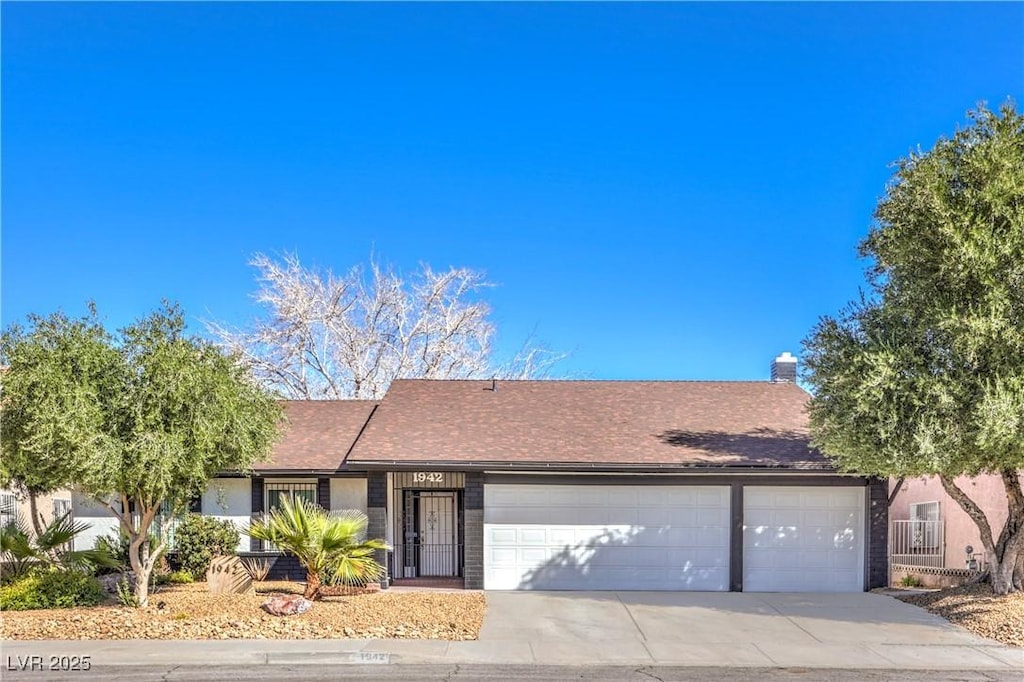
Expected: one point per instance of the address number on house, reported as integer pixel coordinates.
(427, 477)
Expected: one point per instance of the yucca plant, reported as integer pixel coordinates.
(323, 542)
(51, 548)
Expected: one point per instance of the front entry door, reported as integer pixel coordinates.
(437, 532)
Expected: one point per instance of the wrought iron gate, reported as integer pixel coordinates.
(430, 523)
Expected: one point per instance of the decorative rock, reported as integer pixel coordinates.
(109, 582)
(227, 575)
(286, 606)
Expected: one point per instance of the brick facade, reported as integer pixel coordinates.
(878, 533)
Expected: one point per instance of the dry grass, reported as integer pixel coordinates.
(190, 612)
(977, 609)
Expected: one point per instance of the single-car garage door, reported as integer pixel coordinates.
(803, 539)
(606, 537)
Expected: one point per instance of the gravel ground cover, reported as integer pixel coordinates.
(977, 609)
(190, 612)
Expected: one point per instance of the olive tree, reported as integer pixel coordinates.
(924, 375)
(140, 420)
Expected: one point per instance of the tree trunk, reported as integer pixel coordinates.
(138, 553)
(137, 558)
(142, 587)
(1004, 555)
(312, 586)
(1002, 575)
(1018, 574)
(36, 516)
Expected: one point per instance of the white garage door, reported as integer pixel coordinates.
(803, 539)
(599, 537)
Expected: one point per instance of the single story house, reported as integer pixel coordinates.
(15, 507)
(582, 485)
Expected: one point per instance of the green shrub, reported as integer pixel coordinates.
(910, 580)
(51, 590)
(126, 594)
(116, 545)
(180, 578)
(21, 594)
(200, 538)
(65, 589)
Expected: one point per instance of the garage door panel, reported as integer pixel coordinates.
(803, 539)
(498, 535)
(710, 498)
(651, 517)
(815, 560)
(819, 517)
(606, 537)
(652, 497)
(562, 536)
(710, 517)
(532, 536)
(502, 557)
(843, 518)
(712, 537)
(681, 498)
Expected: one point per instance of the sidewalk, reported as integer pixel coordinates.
(236, 653)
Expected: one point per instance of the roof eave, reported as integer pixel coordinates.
(597, 467)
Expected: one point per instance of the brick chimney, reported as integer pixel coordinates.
(784, 369)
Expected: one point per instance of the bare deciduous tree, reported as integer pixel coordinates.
(350, 336)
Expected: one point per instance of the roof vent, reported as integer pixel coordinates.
(784, 369)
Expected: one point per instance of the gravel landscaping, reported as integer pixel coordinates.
(977, 609)
(190, 612)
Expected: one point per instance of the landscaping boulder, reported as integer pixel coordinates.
(286, 606)
(110, 582)
(227, 575)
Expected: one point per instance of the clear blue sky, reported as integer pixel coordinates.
(665, 190)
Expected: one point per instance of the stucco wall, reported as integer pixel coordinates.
(230, 499)
(101, 521)
(225, 498)
(986, 490)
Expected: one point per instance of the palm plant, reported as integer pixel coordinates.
(49, 549)
(323, 542)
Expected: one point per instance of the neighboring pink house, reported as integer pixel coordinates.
(929, 529)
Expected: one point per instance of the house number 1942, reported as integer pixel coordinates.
(427, 477)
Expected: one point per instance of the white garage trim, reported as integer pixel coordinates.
(803, 539)
(606, 537)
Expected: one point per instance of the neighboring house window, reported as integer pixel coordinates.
(60, 507)
(8, 509)
(925, 530)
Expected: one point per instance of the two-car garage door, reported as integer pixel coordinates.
(597, 537)
(654, 537)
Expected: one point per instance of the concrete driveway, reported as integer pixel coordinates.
(700, 628)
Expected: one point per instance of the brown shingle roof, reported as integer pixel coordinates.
(318, 434)
(614, 423)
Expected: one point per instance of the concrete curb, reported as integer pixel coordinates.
(234, 653)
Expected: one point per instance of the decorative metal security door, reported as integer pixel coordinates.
(430, 534)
